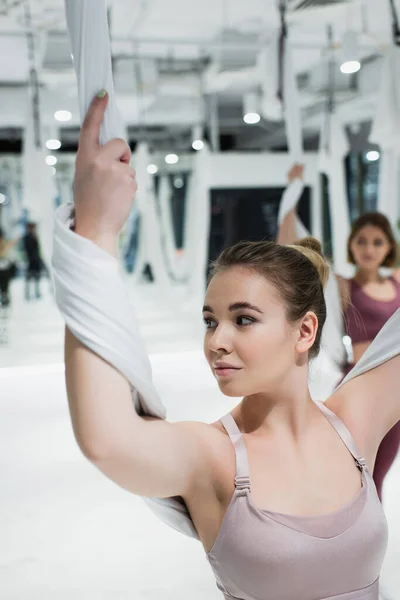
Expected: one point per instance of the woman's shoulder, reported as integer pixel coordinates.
(211, 438)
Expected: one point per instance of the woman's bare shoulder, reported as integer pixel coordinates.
(211, 438)
(396, 274)
(216, 464)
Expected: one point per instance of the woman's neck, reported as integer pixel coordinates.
(283, 411)
(364, 276)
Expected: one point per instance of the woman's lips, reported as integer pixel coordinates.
(225, 371)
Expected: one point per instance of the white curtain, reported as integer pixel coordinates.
(386, 132)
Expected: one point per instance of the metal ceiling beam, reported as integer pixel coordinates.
(202, 44)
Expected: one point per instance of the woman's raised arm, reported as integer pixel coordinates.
(147, 456)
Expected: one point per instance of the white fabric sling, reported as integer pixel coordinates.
(92, 298)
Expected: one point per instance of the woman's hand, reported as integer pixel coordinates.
(296, 172)
(104, 184)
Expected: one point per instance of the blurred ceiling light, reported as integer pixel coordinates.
(197, 138)
(351, 66)
(351, 63)
(198, 145)
(53, 144)
(53, 170)
(373, 155)
(171, 159)
(2, 199)
(51, 160)
(251, 118)
(251, 108)
(178, 182)
(152, 169)
(63, 115)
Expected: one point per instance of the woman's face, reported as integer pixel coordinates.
(370, 247)
(247, 330)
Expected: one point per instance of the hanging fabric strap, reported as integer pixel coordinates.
(91, 51)
(395, 24)
(282, 51)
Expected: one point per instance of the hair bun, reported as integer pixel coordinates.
(312, 249)
(312, 243)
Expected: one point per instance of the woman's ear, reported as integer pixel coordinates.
(307, 331)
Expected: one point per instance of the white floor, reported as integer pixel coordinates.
(67, 533)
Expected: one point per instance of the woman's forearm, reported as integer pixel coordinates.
(287, 211)
(287, 229)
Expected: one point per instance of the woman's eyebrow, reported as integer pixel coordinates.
(236, 306)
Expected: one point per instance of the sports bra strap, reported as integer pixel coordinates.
(344, 433)
(242, 478)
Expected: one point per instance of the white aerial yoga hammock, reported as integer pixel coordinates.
(150, 250)
(91, 50)
(197, 226)
(94, 303)
(167, 228)
(386, 132)
(333, 147)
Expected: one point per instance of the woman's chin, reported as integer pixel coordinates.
(230, 389)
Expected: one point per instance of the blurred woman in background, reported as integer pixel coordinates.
(368, 299)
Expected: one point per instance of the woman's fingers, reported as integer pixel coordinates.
(128, 172)
(117, 149)
(90, 132)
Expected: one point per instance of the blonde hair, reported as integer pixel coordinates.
(312, 249)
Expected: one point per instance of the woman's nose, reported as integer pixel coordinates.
(220, 340)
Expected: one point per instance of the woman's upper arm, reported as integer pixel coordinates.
(147, 456)
(396, 274)
(159, 460)
(370, 405)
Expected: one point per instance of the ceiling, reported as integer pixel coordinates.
(177, 63)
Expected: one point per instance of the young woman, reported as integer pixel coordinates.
(368, 299)
(278, 490)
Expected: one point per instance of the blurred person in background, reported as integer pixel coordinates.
(34, 261)
(7, 268)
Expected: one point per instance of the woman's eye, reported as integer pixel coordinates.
(245, 321)
(208, 322)
(378, 243)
